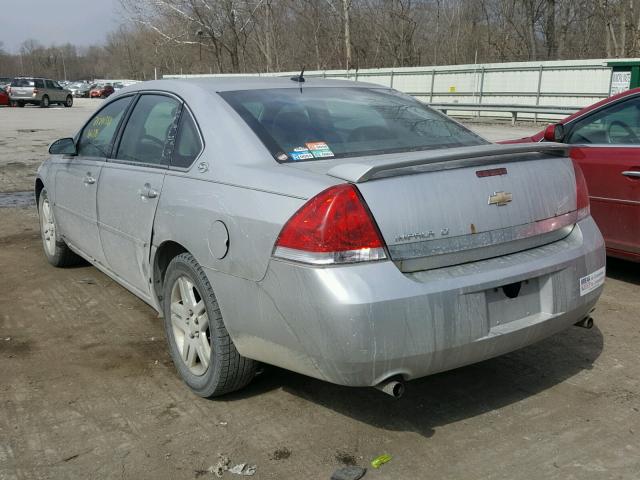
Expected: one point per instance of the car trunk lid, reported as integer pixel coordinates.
(460, 205)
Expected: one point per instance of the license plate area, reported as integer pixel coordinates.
(513, 302)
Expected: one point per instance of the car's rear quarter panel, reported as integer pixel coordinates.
(189, 207)
(236, 181)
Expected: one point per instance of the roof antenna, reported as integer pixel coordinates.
(299, 78)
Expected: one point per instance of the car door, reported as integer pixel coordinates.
(611, 165)
(58, 92)
(77, 179)
(130, 187)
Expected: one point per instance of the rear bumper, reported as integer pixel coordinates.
(360, 324)
(25, 98)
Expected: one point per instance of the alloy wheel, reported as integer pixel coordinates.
(48, 228)
(190, 325)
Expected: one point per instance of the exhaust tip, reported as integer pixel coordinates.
(393, 386)
(586, 322)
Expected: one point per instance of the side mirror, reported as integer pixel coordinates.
(63, 146)
(554, 133)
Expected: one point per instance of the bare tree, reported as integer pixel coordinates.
(206, 36)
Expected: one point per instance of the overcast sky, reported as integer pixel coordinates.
(81, 22)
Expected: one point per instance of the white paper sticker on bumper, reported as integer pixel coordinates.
(592, 281)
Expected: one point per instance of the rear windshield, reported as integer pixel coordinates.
(328, 122)
(22, 82)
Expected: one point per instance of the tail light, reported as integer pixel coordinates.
(582, 193)
(333, 227)
(35, 92)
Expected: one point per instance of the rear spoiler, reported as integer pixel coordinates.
(443, 159)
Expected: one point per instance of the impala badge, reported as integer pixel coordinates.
(500, 198)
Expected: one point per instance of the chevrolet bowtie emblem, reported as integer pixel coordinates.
(500, 198)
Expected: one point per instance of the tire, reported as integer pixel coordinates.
(195, 330)
(68, 102)
(44, 103)
(21, 104)
(57, 252)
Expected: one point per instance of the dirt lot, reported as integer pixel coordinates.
(87, 389)
(26, 134)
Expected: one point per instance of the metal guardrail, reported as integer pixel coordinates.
(438, 84)
(512, 109)
(479, 71)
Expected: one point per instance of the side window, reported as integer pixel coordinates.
(617, 124)
(97, 136)
(149, 134)
(39, 83)
(49, 84)
(188, 143)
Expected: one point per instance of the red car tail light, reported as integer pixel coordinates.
(582, 193)
(333, 227)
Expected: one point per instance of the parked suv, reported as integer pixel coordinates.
(38, 91)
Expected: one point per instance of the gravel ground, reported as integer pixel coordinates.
(87, 389)
(26, 134)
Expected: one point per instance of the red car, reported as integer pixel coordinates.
(607, 139)
(4, 96)
(101, 91)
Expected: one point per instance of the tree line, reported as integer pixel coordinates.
(240, 36)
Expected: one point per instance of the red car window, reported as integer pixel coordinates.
(616, 124)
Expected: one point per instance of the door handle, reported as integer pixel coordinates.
(148, 192)
(88, 179)
(631, 173)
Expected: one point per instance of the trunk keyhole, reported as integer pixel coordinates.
(512, 290)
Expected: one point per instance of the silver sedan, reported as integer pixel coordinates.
(338, 229)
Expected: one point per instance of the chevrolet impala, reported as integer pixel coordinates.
(338, 229)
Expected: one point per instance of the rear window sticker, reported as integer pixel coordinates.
(319, 149)
(300, 154)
